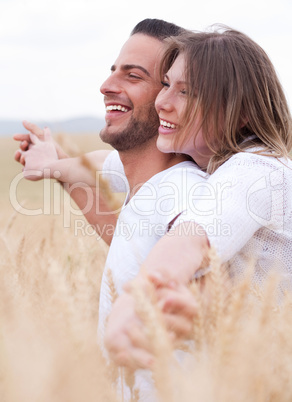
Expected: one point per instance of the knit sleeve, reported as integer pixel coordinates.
(243, 195)
(113, 172)
(176, 188)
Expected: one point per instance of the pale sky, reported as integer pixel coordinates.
(55, 54)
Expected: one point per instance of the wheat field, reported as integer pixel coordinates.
(241, 345)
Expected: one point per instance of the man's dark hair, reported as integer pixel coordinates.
(158, 29)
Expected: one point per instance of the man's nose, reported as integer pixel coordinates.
(111, 85)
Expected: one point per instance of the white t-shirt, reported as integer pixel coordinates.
(144, 219)
(113, 172)
(246, 211)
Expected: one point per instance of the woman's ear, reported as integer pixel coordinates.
(243, 122)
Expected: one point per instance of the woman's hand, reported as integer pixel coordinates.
(177, 304)
(125, 338)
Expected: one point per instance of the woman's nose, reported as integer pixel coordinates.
(163, 102)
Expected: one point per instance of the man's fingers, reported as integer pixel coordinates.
(22, 158)
(180, 325)
(24, 145)
(138, 338)
(17, 155)
(21, 137)
(134, 358)
(124, 353)
(34, 129)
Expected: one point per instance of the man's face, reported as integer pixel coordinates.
(130, 92)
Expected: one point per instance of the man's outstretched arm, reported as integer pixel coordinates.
(43, 158)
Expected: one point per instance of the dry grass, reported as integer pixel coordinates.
(50, 276)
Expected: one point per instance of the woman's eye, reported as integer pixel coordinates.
(165, 84)
(184, 91)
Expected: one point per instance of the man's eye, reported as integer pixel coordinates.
(131, 75)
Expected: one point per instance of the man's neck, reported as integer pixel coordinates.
(143, 163)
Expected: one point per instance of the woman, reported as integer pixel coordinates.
(222, 104)
(239, 130)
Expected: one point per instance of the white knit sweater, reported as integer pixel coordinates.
(246, 211)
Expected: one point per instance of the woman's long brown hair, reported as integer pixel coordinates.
(233, 84)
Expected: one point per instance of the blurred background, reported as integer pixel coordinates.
(55, 54)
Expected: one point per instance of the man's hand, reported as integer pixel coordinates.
(39, 156)
(125, 339)
(26, 142)
(126, 335)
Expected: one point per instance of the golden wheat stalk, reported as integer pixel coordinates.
(159, 341)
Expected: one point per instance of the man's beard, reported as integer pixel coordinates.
(136, 134)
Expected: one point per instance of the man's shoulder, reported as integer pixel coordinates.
(183, 171)
(178, 179)
(113, 172)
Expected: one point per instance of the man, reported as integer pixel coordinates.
(153, 177)
(134, 84)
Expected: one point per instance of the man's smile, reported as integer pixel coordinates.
(119, 108)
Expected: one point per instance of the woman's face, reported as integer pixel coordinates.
(170, 105)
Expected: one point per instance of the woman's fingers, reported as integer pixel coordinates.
(181, 304)
(47, 134)
(180, 301)
(34, 129)
(34, 139)
(37, 132)
(179, 308)
(159, 281)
